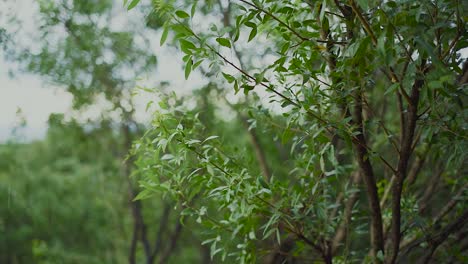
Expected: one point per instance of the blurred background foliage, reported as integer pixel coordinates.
(68, 197)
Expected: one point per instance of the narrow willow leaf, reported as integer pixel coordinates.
(210, 138)
(182, 14)
(229, 78)
(144, 195)
(224, 42)
(259, 77)
(187, 44)
(196, 64)
(188, 68)
(164, 35)
(253, 33)
(194, 8)
(133, 4)
(392, 88)
(182, 30)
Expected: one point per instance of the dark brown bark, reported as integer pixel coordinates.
(133, 244)
(406, 144)
(162, 227)
(173, 239)
(139, 227)
(131, 194)
(359, 141)
(138, 218)
(362, 155)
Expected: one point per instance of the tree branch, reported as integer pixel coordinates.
(174, 238)
(162, 227)
(406, 144)
(367, 171)
(364, 22)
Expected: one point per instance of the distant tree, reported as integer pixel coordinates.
(82, 46)
(369, 97)
(63, 204)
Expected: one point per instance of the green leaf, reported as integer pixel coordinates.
(236, 87)
(250, 24)
(429, 48)
(259, 77)
(210, 138)
(182, 30)
(364, 4)
(285, 48)
(186, 46)
(263, 183)
(144, 195)
(392, 88)
(287, 135)
(164, 35)
(286, 10)
(167, 157)
(196, 64)
(435, 84)
(361, 51)
(163, 105)
(188, 68)
(194, 8)
(182, 14)
(236, 35)
(392, 4)
(229, 78)
(133, 4)
(323, 9)
(224, 42)
(252, 34)
(247, 88)
(148, 105)
(325, 24)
